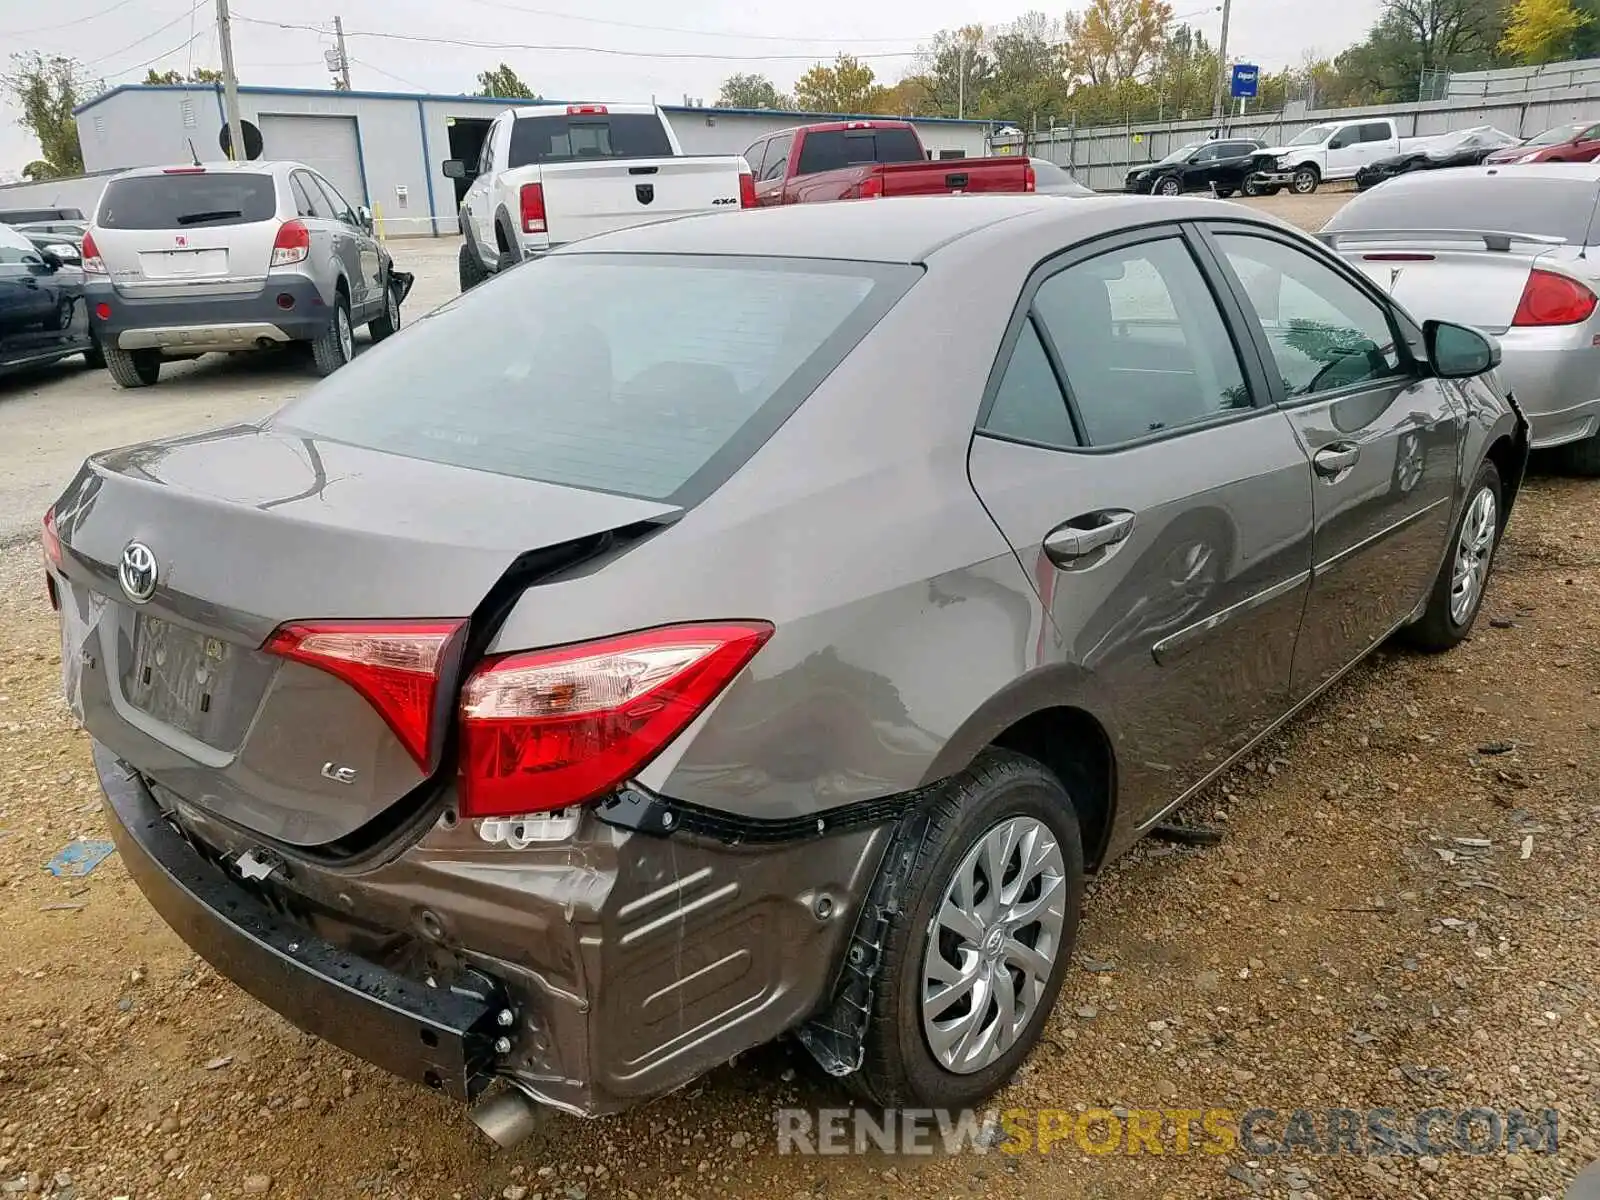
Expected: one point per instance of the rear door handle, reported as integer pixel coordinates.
(1335, 460)
(1083, 535)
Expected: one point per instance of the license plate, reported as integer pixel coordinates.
(183, 264)
(176, 674)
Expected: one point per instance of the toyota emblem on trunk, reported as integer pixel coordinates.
(137, 573)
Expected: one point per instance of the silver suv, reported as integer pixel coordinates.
(187, 260)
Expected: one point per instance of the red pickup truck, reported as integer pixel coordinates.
(857, 160)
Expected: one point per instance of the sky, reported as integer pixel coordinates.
(650, 49)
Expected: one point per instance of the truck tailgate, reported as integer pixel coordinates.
(1002, 174)
(582, 199)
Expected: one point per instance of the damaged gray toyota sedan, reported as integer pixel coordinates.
(732, 628)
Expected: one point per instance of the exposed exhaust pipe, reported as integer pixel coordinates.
(508, 1118)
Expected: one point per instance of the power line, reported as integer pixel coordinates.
(718, 33)
(430, 39)
(183, 45)
(141, 41)
(361, 62)
(65, 24)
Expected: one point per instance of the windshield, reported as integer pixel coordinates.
(1556, 136)
(649, 375)
(187, 199)
(1493, 203)
(1182, 154)
(1310, 137)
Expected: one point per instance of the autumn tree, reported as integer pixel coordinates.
(1541, 31)
(751, 91)
(848, 86)
(198, 75)
(503, 82)
(1028, 79)
(45, 91)
(1115, 40)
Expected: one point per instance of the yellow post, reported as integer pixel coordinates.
(377, 219)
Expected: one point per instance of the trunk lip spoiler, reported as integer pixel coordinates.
(1493, 239)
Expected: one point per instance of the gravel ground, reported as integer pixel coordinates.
(1403, 914)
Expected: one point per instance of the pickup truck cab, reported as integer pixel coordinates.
(1323, 153)
(550, 174)
(861, 160)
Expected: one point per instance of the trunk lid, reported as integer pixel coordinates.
(188, 232)
(958, 175)
(250, 529)
(582, 199)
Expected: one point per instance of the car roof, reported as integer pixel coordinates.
(257, 166)
(907, 229)
(1572, 172)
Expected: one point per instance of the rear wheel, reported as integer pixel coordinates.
(988, 912)
(381, 327)
(133, 368)
(468, 267)
(336, 345)
(1458, 591)
(1582, 458)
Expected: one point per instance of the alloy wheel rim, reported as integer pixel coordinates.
(1303, 182)
(347, 341)
(992, 944)
(1474, 547)
(1169, 188)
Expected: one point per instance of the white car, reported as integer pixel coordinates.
(550, 174)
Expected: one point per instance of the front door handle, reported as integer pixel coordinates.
(1335, 460)
(1083, 535)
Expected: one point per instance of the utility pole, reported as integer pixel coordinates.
(1224, 73)
(344, 59)
(961, 82)
(230, 86)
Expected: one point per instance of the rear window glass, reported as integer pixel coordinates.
(649, 375)
(563, 139)
(1493, 204)
(25, 216)
(184, 201)
(836, 149)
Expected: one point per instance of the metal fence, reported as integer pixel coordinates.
(1521, 81)
(1101, 156)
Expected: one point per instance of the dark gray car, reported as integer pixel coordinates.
(746, 626)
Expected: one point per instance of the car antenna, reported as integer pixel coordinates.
(193, 153)
(1583, 251)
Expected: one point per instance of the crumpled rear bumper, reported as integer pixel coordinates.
(627, 963)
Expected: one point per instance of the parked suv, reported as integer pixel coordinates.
(184, 261)
(1220, 167)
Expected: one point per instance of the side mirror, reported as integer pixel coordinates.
(364, 215)
(1458, 352)
(455, 168)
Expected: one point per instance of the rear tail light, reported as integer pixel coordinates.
(747, 190)
(586, 110)
(183, 171)
(293, 244)
(1551, 299)
(1030, 178)
(553, 728)
(93, 264)
(871, 187)
(395, 665)
(532, 199)
(50, 539)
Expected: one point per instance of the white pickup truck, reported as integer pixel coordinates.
(550, 174)
(1324, 153)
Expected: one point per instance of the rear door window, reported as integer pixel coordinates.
(648, 375)
(180, 201)
(576, 138)
(1377, 131)
(308, 198)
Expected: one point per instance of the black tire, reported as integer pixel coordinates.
(1222, 193)
(133, 368)
(1272, 191)
(1252, 188)
(1439, 628)
(1306, 179)
(335, 345)
(1582, 457)
(468, 267)
(898, 1066)
(382, 326)
(1170, 186)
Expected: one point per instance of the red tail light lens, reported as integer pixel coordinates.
(293, 244)
(394, 665)
(93, 264)
(1551, 299)
(51, 539)
(586, 110)
(553, 728)
(532, 198)
(747, 190)
(1030, 178)
(871, 187)
(183, 171)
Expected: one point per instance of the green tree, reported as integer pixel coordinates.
(848, 86)
(504, 82)
(1112, 41)
(1542, 31)
(198, 75)
(45, 91)
(954, 65)
(751, 91)
(1028, 81)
